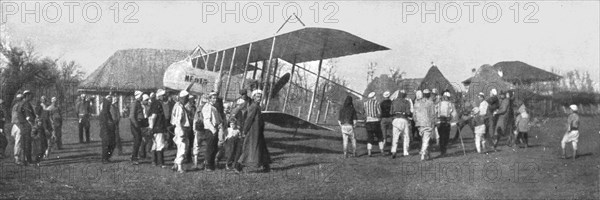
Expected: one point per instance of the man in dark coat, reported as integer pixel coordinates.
(490, 118)
(107, 129)
(84, 110)
(3, 140)
(504, 116)
(136, 118)
(254, 151)
(116, 115)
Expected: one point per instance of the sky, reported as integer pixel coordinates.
(561, 35)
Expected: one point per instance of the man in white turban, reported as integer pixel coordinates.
(182, 121)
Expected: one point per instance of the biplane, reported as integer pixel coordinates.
(206, 70)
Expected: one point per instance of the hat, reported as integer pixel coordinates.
(386, 94)
(243, 92)
(152, 94)
(402, 91)
(19, 96)
(481, 94)
(138, 94)
(145, 97)
(419, 94)
(447, 94)
(160, 92)
(255, 92)
(183, 93)
(371, 95)
(426, 91)
(26, 92)
(434, 90)
(213, 93)
(493, 92)
(573, 107)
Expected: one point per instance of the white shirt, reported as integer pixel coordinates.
(212, 118)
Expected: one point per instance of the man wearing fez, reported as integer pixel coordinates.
(84, 110)
(136, 118)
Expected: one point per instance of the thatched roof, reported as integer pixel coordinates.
(435, 79)
(486, 79)
(132, 69)
(385, 83)
(518, 72)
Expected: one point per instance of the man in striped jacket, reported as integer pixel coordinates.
(372, 124)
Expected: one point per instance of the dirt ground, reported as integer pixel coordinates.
(309, 165)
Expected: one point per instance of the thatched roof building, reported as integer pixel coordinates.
(486, 78)
(435, 79)
(520, 73)
(132, 69)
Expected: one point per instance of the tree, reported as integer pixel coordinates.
(24, 67)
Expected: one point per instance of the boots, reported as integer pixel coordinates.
(369, 152)
(195, 159)
(154, 158)
(161, 159)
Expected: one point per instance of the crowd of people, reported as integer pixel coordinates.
(431, 115)
(36, 129)
(234, 131)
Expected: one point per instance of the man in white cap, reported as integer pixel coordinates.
(158, 128)
(136, 119)
(572, 134)
(400, 110)
(21, 130)
(3, 140)
(386, 117)
(372, 124)
(182, 121)
(424, 116)
(445, 111)
(212, 125)
(84, 111)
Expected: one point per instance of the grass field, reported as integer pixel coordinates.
(309, 165)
